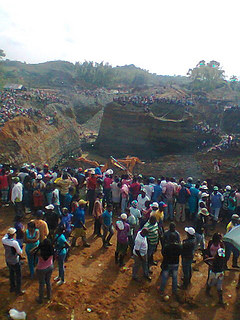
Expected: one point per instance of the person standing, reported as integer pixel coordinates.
(41, 225)
(152, 238)
(12, 254)
(216, 274)
(44, 268)
(31, 238)
(216, 200)
(188, 247)
(123, 230)
(107, 226)
(170, 264)
(169, 192)
(97, 214)
(91, 187)
(61, 246)
(17, 196)
(140, 255)
(182, 198)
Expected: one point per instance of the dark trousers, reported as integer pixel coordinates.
(44, 277)
(187, 270)
(15, 276)
(91, 199)
(18, 207)
(97, 226)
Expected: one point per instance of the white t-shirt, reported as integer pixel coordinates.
(140, 244)
(149, 190)
(141, 202)
(136, 213)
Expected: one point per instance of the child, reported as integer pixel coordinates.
(216, 274)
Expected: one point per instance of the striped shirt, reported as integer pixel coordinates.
(152, 232)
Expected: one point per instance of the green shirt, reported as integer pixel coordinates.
(153, 235)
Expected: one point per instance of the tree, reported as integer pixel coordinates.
(206, 76)
(2, 54)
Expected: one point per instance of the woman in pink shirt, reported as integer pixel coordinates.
(44, 268)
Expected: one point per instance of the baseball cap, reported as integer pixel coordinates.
(204, 194)
(190, 230)
(39, 177)
(50, 207)
(123, 216)
(221, 252)
(215, 188)
(235, 216)
(204, 187)
(82, 202)
(11, 231)
(162, 204)
(134, 203)
(228, 187)
(154, 205)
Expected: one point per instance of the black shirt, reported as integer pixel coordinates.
(171, 253)
(188, 247)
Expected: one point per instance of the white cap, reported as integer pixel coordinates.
(50, 207)
(228, 187)
(204, 194)
(109, 171)
(190, 230)
(155, 205)
(204, 187)
(39, 177)
(123, 216)
(11, 231)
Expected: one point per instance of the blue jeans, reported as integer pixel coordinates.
(31, 264)
(173, 270)
(187, 270)
(61, 259)
(169, 209)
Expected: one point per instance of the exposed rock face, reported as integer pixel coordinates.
(26, 140)
(129, 130)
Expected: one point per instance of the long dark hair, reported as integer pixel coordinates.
(46, 249)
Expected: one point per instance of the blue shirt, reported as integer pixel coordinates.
(107, 218)
(60, 244)
(68, 200)
(78, 217)
(66, 222)
(216, 200)
(157, 192)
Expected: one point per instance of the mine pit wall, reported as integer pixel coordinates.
(26, 140)
(127, 131)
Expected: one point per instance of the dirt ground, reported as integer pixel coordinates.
(94, 283)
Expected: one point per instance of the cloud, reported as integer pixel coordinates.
(164, 37)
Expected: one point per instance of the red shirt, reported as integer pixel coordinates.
(91, 183)
(135, 188)
(107, 183)
(3, 182)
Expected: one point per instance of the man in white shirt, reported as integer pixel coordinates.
(12, 253)
(140, 255)
(17, 196)
(141, 199)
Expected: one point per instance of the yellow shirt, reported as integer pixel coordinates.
(158, 214)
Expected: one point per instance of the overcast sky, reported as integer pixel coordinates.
(165, 37)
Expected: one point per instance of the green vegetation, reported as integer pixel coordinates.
(206, 76)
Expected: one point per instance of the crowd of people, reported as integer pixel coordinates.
(136, 208)
(11, 105)
(143, 101)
